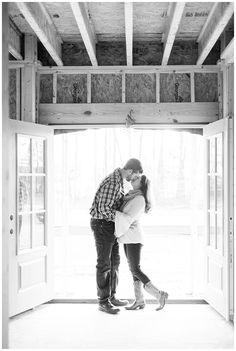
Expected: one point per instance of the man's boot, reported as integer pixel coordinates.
(107, 307)
(139, 302)
(118, 302)
(160, 295)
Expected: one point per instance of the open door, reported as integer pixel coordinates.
(30, 257)
(218, 216)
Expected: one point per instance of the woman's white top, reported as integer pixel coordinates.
(127, 223)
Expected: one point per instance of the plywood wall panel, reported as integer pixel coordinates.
(46, 88)
(206, 87)
(75, 54)
(106, 88)
(175, 87)
(72, 88)
(147, 53)
(183, 53)
(111, 53)
(140, 88)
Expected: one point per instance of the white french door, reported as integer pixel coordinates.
(31, 236)
(218, 233)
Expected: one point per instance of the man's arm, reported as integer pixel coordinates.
(109, 196)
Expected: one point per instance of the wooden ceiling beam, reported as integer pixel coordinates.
(228, 53)
(219, 18)
(43, 29)
(173, 22)
(86, 32)
(128, 6)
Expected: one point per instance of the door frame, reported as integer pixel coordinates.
(92, 126)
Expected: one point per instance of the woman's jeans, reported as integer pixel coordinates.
(133, 254)
(108, 258)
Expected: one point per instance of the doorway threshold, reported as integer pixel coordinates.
(148, 301)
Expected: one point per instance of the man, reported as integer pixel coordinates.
(107, 200)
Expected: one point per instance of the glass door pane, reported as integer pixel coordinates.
(31, 191)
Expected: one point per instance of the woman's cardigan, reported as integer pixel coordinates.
(127, 226)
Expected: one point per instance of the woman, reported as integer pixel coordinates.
(129, 232)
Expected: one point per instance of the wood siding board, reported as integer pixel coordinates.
(71, 88)
(46, 88)
(140, 88)
(12, 94)
(95, 114)
(175, 87)
(106, 88)
(206, 87)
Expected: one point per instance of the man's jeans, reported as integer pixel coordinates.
(108, 258)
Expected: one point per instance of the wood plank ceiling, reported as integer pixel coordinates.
(118, 33)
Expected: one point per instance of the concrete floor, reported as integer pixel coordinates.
(82, 326)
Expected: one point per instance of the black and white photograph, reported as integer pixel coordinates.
(117, 175)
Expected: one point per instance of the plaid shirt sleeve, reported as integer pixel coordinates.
(108, 200)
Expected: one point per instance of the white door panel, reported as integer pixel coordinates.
(217, 216)
(31, 235)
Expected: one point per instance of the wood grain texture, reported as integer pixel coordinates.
(71, 88)
(99, 114)
(175, 87)
(206, 87)
(12, 93)
(106, 88)
(46, 88)
(140, 88)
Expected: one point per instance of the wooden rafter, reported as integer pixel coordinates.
(86, 32)
(129, 32)
(176, 13)
(43, 29)
(215, 26)
(228, 53)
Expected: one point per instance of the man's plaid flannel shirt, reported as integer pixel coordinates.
(108, 197)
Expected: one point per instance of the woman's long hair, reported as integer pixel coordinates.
(145, 190)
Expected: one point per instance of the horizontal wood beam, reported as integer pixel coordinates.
(174, 19)
(219, 19)
(14, 44)
(88, 36)
(228, 52)
(162, 113)
(128, 6)
(128, 69)
(43, 29)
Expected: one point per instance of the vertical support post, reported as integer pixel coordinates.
(18, 91)
(88, 88)
(220, 93)
(123, 87)
(29, 79)
(157, 87)
(192, 83)
(54, 88)
(5, 186)
(37, 79)
(225, 89)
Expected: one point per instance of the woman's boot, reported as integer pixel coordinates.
(161, 296)
(139, 302)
